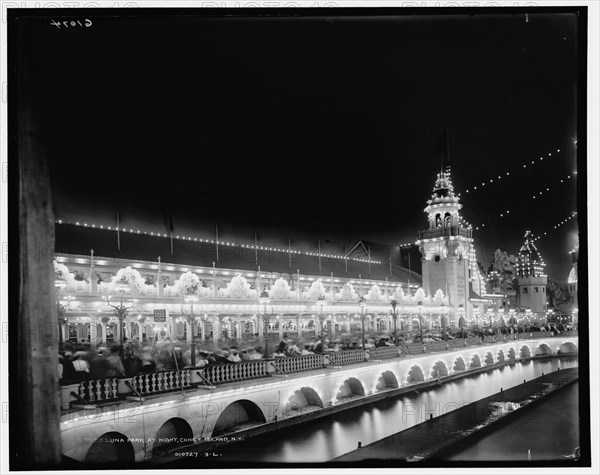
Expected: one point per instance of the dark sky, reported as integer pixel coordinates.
(323, 127)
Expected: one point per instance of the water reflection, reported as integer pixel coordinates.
(324, 439)
(554, 422)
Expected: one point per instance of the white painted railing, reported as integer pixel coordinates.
(225, 373)
(384, 352)
(342, 358)
(296, 364)
(98, 390)
(162, 381)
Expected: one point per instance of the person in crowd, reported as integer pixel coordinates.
(68, 369)
(132, 363)
(258, 353)
(278, 353)
(306, 350)
(148, 362)
(115, 368)
(234, 356)
(318, 346)
(292, 349)
(99, 365)
(81, 366)
(60, 368)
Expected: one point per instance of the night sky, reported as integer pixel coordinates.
(326, 128)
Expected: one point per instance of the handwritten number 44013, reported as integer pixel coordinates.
(71, 23)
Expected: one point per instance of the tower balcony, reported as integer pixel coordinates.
(445, 231)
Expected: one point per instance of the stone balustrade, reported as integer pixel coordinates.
(113, 389)
(98, 390)
(226, 373)
(342, 358)
(384, 352)
(296, 364)
(149, 383)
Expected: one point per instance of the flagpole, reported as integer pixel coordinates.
(255, 248)
(118, 231)
(217, 240)
(319, 243)
(171, 232)
(369, 260)
(290, 250)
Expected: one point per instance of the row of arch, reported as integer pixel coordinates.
(116, 447)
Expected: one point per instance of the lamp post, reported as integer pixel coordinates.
(60, 284)
(320, 304)
(420, 307)
(121, 311)
(264, 300)
(393, 303)
(549, 315)
(191, 319)
(363, 306)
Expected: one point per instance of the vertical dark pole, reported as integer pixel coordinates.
(37, 412)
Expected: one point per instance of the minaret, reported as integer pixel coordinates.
(532, 279)
(572, 281)
(446, 246)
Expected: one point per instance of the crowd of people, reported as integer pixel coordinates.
(86, 362)
(80, 363)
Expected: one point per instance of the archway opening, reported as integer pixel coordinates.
(301, 401)
(439, 370)
(387, 380)
(110, 448)
(567, 348)
(500, 357)
(176, 432)
(350, 388)
(511, 354)
(415, 375)
(475, 362)
(459, 364)
(524, 352)
(489, 358)
(543, 349)
(238, 415)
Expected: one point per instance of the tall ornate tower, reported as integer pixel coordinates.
(572, 279)
(532, 279)
(446, 247)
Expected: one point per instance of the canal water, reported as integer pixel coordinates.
(324, 439)
(548, 430)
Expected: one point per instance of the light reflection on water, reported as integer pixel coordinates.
(554, 422)
(324, 439)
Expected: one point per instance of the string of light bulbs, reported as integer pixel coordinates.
(506, 174)
(506, 213)
(556, 226)
(212, 241)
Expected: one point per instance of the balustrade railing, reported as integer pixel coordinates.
(296, 364)
(149, 383)
(341, 358)
(226, 373)
(384, 352)
(99, 390)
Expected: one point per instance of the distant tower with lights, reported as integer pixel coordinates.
(572, 279)
(531, 278)
(446, 247)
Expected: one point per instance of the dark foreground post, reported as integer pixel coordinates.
(37, 406)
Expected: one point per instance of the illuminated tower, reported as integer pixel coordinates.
(446, 247)
(572, 279)
(531, 278)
